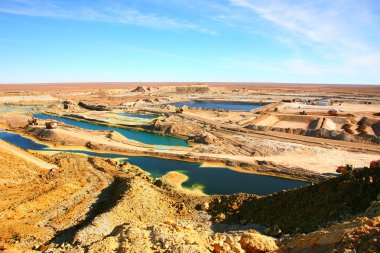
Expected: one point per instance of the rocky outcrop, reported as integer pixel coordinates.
(116, 136)
(307, 208)
(249, 241)
(170, 126)
(56, 136)
(94, 107)
(174, 128)
(374, 124)
(65, 105)
(359, 234)
(206, 138)
(254, 242)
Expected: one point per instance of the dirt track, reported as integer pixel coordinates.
(25, 155)
(233, 128)
(38, 203)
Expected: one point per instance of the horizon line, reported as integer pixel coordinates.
(189, 82)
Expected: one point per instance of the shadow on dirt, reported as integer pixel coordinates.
(107, 199)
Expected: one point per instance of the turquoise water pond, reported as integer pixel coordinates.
(144, 137)
(211, 180)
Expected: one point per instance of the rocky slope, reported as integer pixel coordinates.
(305, 209)
(175, 126)
(37, 203)
(90, 204)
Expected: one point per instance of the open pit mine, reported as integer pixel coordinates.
(183, 167)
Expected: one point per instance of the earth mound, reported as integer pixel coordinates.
(93, 107)
(139, 89)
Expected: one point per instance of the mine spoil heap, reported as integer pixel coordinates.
(93, 107)
(304, 209)
(89, 204)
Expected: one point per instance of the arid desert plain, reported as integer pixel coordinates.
(189, 167)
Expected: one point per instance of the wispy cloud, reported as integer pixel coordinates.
(357, 69)
(312, 39)
(110, 12)
(339, 22)
(345, 34)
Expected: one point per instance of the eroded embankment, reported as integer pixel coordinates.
(101, 122)
(304, 209)
(86, 199)
(105, 201)
(113, 142)
(285, 155)
(99, 205)
(38, 203)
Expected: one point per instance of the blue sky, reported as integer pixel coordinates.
(319, 41)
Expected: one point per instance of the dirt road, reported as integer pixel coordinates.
(306, 140)
(25, 155)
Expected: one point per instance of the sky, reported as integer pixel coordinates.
(292, 41)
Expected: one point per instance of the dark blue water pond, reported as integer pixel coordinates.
(215, 180)
(218, 105)
(140, 116)
(144, 137)
(21, 141)
(210, 180)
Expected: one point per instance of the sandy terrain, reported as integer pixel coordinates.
(343, 108)
(176, 179)
(7, 99)
(285, 88)
(6, 147)
(279, 148)
(60, 202)
(88, 204)
(320, 160)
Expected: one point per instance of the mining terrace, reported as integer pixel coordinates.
(183, 167)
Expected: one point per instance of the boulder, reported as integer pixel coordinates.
(205, 138)
(273, 231)
(254, 242)
(205, 206)
(158, 182)
(112, 162)
(223, 243)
